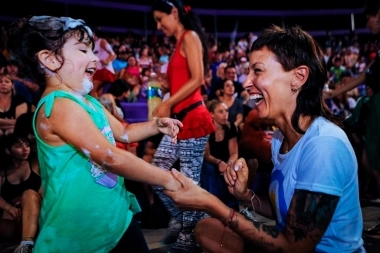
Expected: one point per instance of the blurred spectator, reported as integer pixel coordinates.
(337, 69)
(23, 85)
(131, 74)
(234, 105)
(105, 72)
(121, 60)
(220, 152)
(11, 105)
(20, 190)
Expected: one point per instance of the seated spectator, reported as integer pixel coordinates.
(20, 187)
(145, 59)
(118, 91)
(105, 72)
(235, 106)
(164, 51)
(337, 68)
(131, 74)
(11, 105)
(229, 74)
(342, 105)
(24, 87)
(120, 62)
(221, 150)
(216, 80)
(145, 76)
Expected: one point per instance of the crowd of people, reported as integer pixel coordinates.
(277, 119)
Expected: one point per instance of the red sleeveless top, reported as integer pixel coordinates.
(198, 122)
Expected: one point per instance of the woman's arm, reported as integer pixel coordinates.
(79, 131)
(14, 212)
(222, 165)
(21, 109)
(142, 130)
(6, 124)
(238, 120)
(233, 149)
(306, 221)
(353, 83)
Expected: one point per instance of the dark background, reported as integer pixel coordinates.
(121, 16)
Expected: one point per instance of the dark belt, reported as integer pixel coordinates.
(181, 114)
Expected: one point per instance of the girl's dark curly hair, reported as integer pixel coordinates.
(25, 38)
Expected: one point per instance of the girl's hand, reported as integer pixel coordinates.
(169, 127)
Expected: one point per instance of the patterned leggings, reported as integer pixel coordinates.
(190, 153)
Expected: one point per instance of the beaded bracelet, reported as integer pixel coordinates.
(227, 223)
(229, 220)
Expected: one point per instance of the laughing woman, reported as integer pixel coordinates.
(313, 188)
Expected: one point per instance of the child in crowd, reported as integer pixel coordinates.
(86, 207)
(221, 150)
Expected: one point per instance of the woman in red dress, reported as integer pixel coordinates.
(185, 74)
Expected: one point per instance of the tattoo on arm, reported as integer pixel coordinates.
(270, 230)
(310, 214)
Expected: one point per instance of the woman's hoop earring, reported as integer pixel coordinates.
(295, 90)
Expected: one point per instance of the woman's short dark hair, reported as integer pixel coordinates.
(294, 47)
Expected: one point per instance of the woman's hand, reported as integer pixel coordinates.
(162, 110)
(172, 185)
(190, 196)
(236, 178)
(169, 127)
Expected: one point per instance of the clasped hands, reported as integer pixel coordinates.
(191, 196)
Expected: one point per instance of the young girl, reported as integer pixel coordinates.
(86, 207)
(221, 150)
(185, 74)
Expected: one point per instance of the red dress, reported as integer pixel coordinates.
(198, 122)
